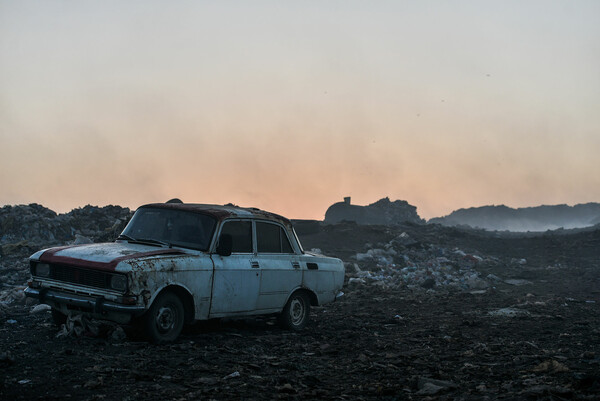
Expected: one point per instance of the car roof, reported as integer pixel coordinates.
(221, 212)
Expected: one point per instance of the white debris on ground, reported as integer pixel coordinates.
(39, 308)
(404, 262)
(508, 312)
(78, 325)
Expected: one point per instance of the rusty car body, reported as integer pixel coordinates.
(175, 263)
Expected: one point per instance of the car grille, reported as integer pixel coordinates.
(75, 275)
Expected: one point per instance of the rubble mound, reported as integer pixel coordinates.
(39, 225)
(539, 218)
(25, 229)
(382, 212)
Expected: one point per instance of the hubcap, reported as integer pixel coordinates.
(297, 311)
(165, 319)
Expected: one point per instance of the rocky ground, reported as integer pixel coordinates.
(428, 313)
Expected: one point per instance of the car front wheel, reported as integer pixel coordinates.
(296, 312)
(163, 322)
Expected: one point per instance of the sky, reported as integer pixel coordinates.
(291, 105)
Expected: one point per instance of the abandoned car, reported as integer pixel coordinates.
(175, 263)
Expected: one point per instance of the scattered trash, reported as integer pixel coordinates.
(232, 375)
(397, 265)
(11, 321)
(508, 312)
(518, 282)
(77, 325)
(40, 308)
(24, 381)
(554, 392)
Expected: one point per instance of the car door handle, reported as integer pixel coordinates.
(312, 266)
(254, 265)
(295, 265)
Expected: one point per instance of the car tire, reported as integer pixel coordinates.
(58, 318)
(163, 322)
(296, 312)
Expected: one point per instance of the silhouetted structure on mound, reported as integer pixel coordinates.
(382, 212)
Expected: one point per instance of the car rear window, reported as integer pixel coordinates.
(271, 238)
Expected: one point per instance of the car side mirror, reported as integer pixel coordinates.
(225, 245)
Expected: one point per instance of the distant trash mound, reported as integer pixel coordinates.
(25, 229)
(37, 224)
(382, 212)
(539, 218)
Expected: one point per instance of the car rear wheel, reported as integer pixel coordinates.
(163, 322)
(296, 312)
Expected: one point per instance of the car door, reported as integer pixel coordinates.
(237, 276)
(279, 265)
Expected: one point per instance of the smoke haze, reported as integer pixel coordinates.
(291, 107)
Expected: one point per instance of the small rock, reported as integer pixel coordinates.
(287, 388)
(428, 283)
(428, 386)
(232, 375)
(80, 239)
(6, 358)
(552, 366)
(430, 389)
(118, 334)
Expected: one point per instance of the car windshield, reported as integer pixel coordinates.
(170, 227)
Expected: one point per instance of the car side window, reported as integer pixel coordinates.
(241, 235)
(271, 238)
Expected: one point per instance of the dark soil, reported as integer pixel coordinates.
(372, 343)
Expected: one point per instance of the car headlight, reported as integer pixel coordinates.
(118, 282)
(42, 270)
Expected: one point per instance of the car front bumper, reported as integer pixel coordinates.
(96, 306)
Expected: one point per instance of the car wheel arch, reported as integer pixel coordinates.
(184, 295)
(314, 300)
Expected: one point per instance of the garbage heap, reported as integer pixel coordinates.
(25, 229)
(406, 263)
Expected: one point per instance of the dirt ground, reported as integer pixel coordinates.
(540, 340)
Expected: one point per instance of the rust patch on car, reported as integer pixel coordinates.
(50, 257)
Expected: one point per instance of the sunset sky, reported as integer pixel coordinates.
(290, 106)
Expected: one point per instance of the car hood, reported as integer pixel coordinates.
(103, 256)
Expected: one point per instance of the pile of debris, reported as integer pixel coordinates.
(39, 225)
(25, 229)
(404, 262)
